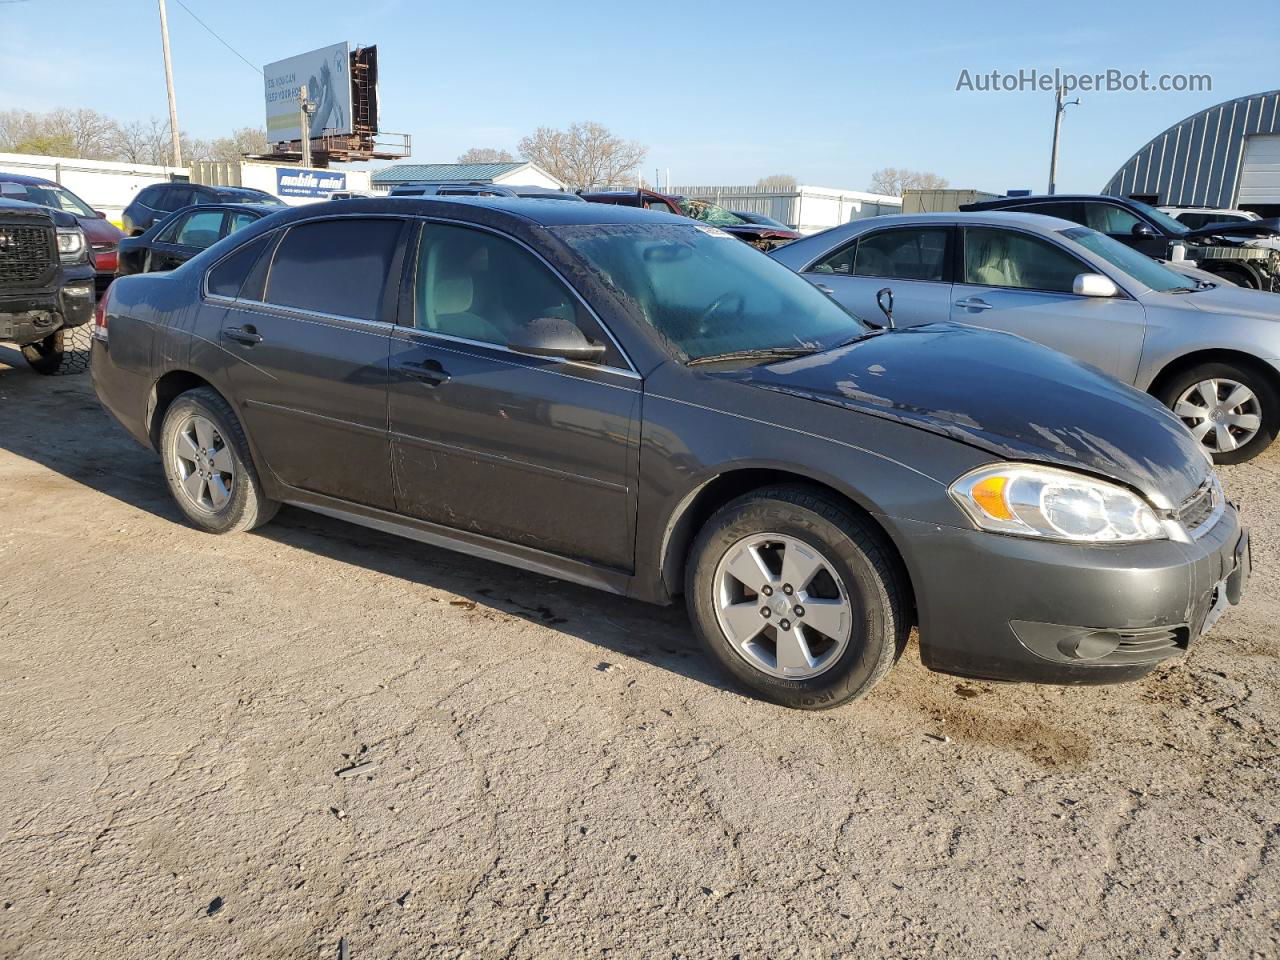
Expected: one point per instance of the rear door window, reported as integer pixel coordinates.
(200, 229)
(908, 254)
(337, 267)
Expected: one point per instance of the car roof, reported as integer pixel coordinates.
(25, 178)
(531, 211)
(263, 208)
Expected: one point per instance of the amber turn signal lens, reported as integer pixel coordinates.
(989, 495)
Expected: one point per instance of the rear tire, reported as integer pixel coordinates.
(858, 616)
(1190, 396)
(208, 466)
(45, 356)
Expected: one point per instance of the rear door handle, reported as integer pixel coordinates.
(973, 303)
(248, 335)
(429, 372)
(825, 289)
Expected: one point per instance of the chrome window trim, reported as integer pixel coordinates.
(447, 221)
(415, 333)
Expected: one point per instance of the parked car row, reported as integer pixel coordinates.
(633, 400)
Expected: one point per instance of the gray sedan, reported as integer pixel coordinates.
(1208, 352)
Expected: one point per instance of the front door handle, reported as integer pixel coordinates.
(248, 335)
(973, 303)
(430, 373)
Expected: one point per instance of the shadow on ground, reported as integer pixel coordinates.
(57, 423)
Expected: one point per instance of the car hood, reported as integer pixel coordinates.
(1229, 299)
(98, 230)
(1246, 228)
(1006, 395)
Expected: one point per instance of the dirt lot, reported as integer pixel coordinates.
(558, 773)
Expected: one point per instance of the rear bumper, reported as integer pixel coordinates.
(1006, 608)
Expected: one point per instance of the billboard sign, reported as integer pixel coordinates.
(327, 75)
(312, 184)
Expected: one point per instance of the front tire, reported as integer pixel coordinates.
(1233, 410)
(45, 356)
(208, 466)
(797, 597)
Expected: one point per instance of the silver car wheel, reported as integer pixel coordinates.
(1222, 414)
(782, 606)
(206, 470)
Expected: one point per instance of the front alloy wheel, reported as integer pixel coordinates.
(782, 606)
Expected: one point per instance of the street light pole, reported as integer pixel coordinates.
(168, 82)
(1059, 108)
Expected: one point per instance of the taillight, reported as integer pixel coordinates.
(100, 314)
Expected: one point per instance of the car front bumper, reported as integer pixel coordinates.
(1009, 608)
(28, 317)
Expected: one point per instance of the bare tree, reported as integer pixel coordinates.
(246, 140)
(891, 181)
(585, 156)
(139, 142)
(486, 155)
(778, 181)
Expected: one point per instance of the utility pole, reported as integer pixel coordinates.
(168, 82)
(1059, 108)
(305, 109)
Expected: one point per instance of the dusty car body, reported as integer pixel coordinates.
(635, 402)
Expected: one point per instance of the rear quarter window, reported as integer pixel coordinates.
(228, 276)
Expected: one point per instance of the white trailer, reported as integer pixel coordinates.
(808, 209)
(106, 185)
(293, 184)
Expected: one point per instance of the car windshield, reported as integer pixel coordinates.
(708, 212)
(1139, 266)
(1167, 223)
(708, 293)
(48, 195)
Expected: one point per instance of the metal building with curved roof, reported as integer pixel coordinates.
(1225, 156)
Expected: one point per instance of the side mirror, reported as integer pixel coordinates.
(1093, 285)
(555, 337)
(884, 300)
(1141, 229)
(99, 214)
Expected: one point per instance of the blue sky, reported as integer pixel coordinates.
(720, 92)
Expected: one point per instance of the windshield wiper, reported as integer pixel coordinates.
(762, 353)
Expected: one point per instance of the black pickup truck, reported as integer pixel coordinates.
(46, 280)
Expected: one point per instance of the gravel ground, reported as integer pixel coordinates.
(552, 772)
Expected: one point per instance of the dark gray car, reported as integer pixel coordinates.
(640, 403)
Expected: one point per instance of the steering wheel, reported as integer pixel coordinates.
(730, 296)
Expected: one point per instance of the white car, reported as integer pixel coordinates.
(1197, 217)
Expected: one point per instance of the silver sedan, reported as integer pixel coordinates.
(1209, 352)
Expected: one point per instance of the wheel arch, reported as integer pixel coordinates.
(163, 392)
(1188, 361)
(698, 505)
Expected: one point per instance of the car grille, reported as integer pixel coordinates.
(1199, 508)
(26, 255)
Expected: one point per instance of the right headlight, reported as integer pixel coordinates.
(1027, 500)
(70, 244)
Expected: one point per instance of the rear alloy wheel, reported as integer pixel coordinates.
(45, 356)
(1232, 411)
(208, 466)
(797, 597)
